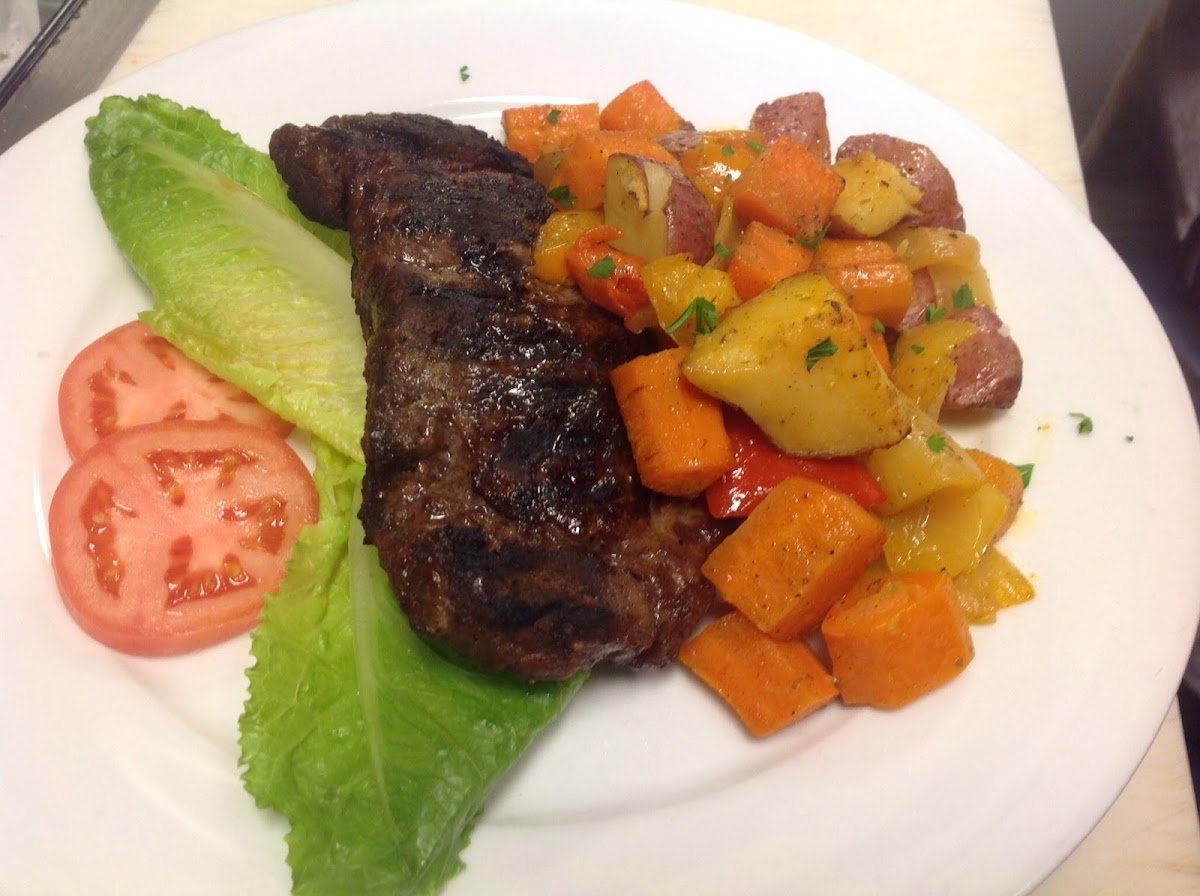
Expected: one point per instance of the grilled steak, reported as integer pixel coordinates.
(500, 488)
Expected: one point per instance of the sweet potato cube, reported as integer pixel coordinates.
(794, 555)
(677, 432)
(768, 683)
(788, 188)
(896, 636)
(870, 274)
(640, 107)
(536, 130)
(765, 256)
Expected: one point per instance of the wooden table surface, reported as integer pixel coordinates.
(1006, 76)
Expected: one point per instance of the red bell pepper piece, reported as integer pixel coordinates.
(607, 276)
(759, 466)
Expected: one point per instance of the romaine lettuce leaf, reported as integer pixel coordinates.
(195, 134)
(238, 284)
(378, 748)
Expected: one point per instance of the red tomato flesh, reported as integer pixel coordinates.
(166, 536)
(131, 376)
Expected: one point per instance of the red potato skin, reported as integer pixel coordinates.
(800, 116)
(679, 141)
(690, 219)
(989, 367)
(939, 205)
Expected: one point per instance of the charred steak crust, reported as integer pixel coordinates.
(500, 488)
(320, 164)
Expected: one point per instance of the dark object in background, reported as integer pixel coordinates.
(1141, 166)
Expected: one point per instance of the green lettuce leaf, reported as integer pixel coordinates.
(379, 748)
(238, 283)
(195, 134)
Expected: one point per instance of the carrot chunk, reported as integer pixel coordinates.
(897, 636)
(677, 432)
(796, 553)
(768, 683)
(789, 188)
(536, 130)
(870, 274)
(578, 181)
(640, 107)
(765, 256)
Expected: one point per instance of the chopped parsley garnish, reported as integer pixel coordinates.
(562, 195)
(722, 250)
(963, 297)
(755, 145)
(603, 268)
(464, 73)
(811, 242)
(726, 149)
(824, 349)
(917, 349)
(878, 326)
(705, 313)
(552, 116)
(1026, 471)
(933, 313)
(936, 442)
(1085, 422)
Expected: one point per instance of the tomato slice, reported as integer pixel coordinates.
(131, 376)
(166, 536)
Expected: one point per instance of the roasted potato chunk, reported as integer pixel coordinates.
(876, 198)
(923, 362)
(795, 360)
(657, 209)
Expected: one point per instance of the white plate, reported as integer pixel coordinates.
(120, 775)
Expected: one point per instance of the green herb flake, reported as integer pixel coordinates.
(878, 326)
(728, 179)
(824, 349)
(917, 349)
(755, 145)
(552, 115)
(936, 442)
(1085, 422)
(963, 297)
(1026, 471)
(933, 314)
(705, 313)
(562, 195)
(603, 268)
(722, 250)
(464, 73)
(811, 242)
